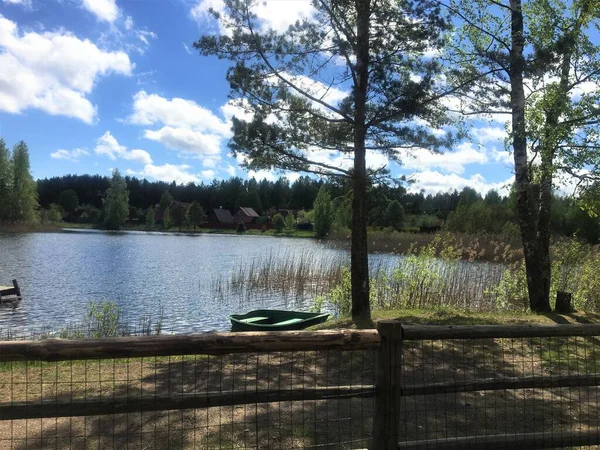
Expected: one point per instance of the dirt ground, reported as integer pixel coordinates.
(329, 424)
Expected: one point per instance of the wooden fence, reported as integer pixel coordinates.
(387, 341)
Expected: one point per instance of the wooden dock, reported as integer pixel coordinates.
(10, 293)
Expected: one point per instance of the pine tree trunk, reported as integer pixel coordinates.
(531, 245)
(359, 263)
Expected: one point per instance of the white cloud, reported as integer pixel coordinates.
(208, 174)
(128, 23)
(433, 182)
(145, 35)
(169, 172)
(237, 108)
(230, 170)
(108, 145)
(490, 134)
(137, 155)
(186, 140)
(587, 87)
(272, 14)
(453, 162)
(262, 175)
(185, 126)
(104, 10)
(187, 48)
(24, 3)
(502, 156)
(317, 89)
(52, 71)
(152, 109)
(72, 155)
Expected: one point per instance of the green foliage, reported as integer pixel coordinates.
(475, 215)
(278, 222)
(342, 212)
(322, 212)
(116, 202)
(196, 214)
(178, 214)
(90, 214)
(150, 213)
(133, 213)
(22, 197)
(166, 222)
(303, 217)
(103, 318)
(394, 215)
(6, 179)
(165, 200)
(340, 297)
(289, 223)
(51, 215)
(241, 227)
(69, 202)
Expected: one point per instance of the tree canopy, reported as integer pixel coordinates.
(356, 77)
(116, 202)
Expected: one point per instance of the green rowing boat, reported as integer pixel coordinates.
(275, 320)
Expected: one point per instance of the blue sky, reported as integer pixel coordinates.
(92, 85)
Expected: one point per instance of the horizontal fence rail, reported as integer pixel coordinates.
(199, 344)
(443, 332)
(16, 411)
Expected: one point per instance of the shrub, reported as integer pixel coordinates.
(241, 227)
(278, 222)
(322, 212)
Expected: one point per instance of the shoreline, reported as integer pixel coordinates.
(74, 227)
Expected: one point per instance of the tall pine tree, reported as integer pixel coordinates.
(23, 198)
(354, 78)
(6, 176)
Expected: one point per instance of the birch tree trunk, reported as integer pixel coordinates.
(538, 300)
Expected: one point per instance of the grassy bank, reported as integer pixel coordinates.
(451, 316)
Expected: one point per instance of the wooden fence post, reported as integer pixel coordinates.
(388, 388)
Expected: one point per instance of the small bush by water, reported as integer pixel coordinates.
(101, 319)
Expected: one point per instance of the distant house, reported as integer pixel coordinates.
(219, 215)
(246, 215)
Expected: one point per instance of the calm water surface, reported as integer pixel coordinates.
(143, 273)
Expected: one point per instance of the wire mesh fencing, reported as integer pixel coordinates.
(278, 400)
(534, 392)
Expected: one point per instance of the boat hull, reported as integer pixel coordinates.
(275, 320)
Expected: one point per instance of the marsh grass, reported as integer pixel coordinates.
(101, 319)
(480, 247)
(429, 275)
(292, 275)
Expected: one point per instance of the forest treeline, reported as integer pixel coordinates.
(462, 211)
(89, 199)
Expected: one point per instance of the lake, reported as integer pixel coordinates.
(144, 273)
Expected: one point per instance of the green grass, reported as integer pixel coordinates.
(451, 316)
